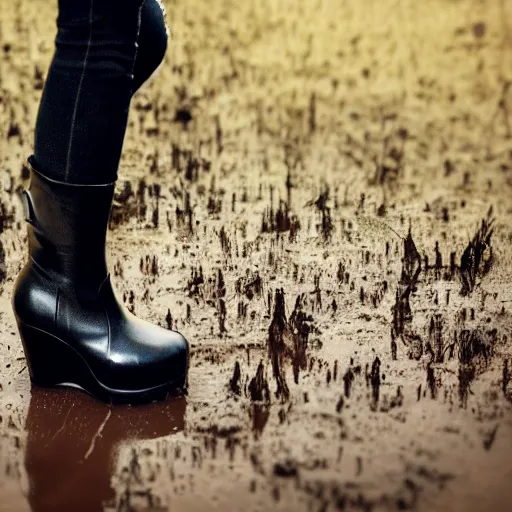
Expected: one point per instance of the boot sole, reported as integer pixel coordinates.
(53, 363)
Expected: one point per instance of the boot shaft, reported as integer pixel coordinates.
(67, 228)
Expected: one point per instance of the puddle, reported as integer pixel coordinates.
(73, 442)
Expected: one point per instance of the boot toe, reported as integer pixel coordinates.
(144, 356)
(175, 357)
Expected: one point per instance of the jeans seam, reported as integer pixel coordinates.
(77, 99)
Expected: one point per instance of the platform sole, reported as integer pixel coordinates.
(52, 363)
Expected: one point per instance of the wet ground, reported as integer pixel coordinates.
(318, 195)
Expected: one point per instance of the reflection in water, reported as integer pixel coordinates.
(73, 442)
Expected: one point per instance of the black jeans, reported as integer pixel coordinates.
(104, 51)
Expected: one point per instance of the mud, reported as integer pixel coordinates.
(318, 195)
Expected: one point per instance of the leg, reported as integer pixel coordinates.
(74, 330)
(83, 113)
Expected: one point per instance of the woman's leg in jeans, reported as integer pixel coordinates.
(105, 50)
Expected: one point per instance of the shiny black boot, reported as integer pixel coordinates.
(74, 330)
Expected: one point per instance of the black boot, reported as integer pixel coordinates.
(74, 330)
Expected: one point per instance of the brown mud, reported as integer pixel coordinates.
(318, 195)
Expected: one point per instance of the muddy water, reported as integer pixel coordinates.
(317, 194)
(72, 444)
